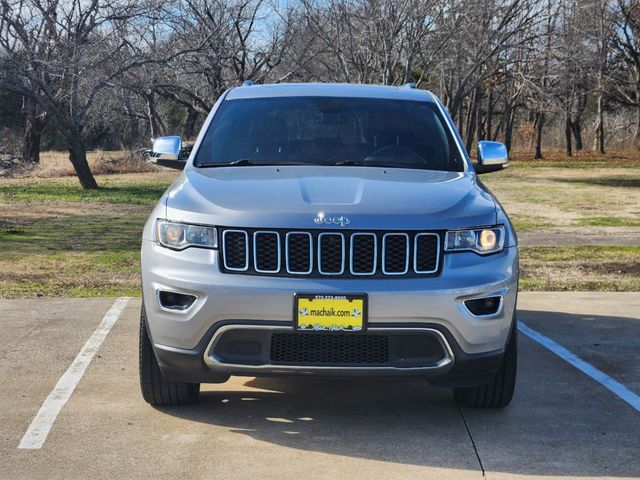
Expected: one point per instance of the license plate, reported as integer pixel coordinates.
(330, 313)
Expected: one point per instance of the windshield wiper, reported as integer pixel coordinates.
(350, 163)
(245, 162)
(242, 162)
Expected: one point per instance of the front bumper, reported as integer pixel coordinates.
(456, 368)
(181, 338)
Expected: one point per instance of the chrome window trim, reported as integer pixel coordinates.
(213, 362)
(375, 253)
(320, 253)
(415, 253)
(224, 250)
(255, 256)
(384, 251)
(286, 256)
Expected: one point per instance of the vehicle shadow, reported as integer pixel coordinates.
(560, 423)
(400, 420)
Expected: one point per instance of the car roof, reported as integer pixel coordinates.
(329, 90)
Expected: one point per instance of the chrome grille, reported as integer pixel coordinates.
(318, 253)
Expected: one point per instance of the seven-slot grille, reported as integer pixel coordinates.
(317, 253)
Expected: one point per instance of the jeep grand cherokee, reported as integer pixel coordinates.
(330, 230)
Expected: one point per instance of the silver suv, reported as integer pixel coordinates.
(329, 230)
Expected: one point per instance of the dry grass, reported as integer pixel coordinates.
(585, 159)
(57, 164)
(552, 197)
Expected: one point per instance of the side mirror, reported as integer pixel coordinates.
(168, 152)
(492, 157)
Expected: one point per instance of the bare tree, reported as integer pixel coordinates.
(542, 72)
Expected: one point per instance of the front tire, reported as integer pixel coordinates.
(156, 389)
(499, 392)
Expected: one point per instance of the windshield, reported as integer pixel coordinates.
(329, 131)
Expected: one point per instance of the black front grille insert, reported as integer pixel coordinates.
(235, 246)
(396, 253)
(299, 253)
(318, 253)
(266, 255)
(334, 348)
(363, 254)
(331, 253)
(427, 249)
(286, 347)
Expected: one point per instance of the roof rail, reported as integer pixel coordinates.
(247, 83)
(410, 85)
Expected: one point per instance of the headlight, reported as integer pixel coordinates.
(479, 240)
(182, 235)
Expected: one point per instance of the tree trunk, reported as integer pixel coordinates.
(576, 122)
(636, 133)
(599, 139)
(155, 124)
(189, 126)
(508, 128)
(35, 123)
(134, 131)
(134, 124)
(489, 129)
(539, 126)
(78, 157)
(576, 128)
(471, 121)
(568, 129)
(480, 132)
(31, 141)
(460, 118)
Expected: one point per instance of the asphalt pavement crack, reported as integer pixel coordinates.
(473, 443)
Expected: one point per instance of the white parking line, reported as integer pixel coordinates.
(37, 432)
(599, 376)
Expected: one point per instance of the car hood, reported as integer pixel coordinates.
(296, 196)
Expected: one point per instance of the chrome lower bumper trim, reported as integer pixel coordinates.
(217, 365)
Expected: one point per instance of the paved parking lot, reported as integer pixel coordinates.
(561, 424)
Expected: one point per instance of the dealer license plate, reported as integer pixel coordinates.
(330, 313)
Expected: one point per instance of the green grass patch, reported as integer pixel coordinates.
(79, 233)
(581, 268)
(608, 221)
(69, 274)
(528, 284)
(607, 181)
(132, 191)
(527, 223)
(582, 252)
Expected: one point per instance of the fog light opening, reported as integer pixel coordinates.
(481, 307)
(175, 301)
